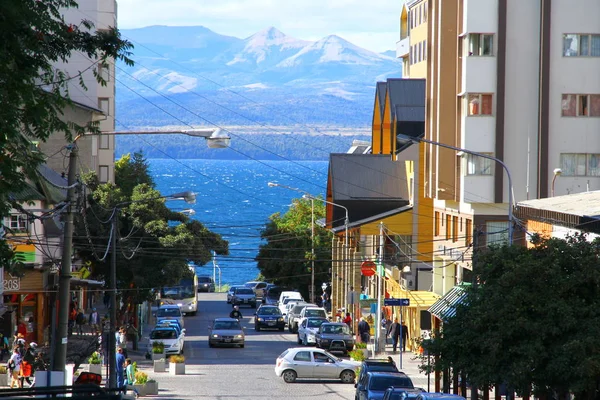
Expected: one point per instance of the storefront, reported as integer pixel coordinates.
(24, 302)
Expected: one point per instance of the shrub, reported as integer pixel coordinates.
(158, 347)
(141, 378)
(360, 345)
(95, 358)
(177, 359)
(3, 369)
(357, 355)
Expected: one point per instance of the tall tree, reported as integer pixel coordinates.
(34, 39)
(286, 257)
(531, 322)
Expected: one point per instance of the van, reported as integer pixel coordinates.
(290, 294)
(287, 297)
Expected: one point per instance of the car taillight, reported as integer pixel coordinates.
(279, 361)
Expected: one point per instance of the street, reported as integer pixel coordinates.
(236, 373)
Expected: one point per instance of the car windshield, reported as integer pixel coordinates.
(243, 291)
(274, 292)
(250, 284)
(381, 383)
(184, 290)
(382, 367)
(168, 312)
(336, 329)
(314, 313)
(288, 299)
(226, 325)
(315, 323)
(163, 334)
(232, 289)
(204, 279)
(397, 396)
(269, 311)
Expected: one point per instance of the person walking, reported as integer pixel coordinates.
(3, 347)
(94, 320)
(364, 330)
(27, 364)
(14, 368)
(72, 318)
(348, 320)
(80, 321)
(404, 334)
(120, 368)
(394, 331)
(130, 377)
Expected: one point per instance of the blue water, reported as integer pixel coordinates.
(234, 200)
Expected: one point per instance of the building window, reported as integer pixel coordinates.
(479, 165)
(479, 104)
(454, 229)
(425, 50)
(17, 223)
(104, 72)
(103, 174)
(436, 224)
(104, 105)
(425, 12)
(575, 45)
(468, 232)
(104, 142)
(448, 226)
(580, 164)
(409, 20)
(580, 105)
(496, 232)
(481, 44)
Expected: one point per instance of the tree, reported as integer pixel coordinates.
(154, 244)
(285, 258)
(33, 90)
(531, 322)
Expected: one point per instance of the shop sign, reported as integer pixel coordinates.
(11, 283)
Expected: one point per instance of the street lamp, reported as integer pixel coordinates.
(510, 186)
(188, 197)
(215, 138)
(557, 172)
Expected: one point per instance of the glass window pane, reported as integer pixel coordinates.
(582, 100)
(569, 105)
(570, 45)
(487, 49)
(595, 105)
(486, 104)
(595, 46)
(497, 232)
(584, 45)
(474, 44)
(593, 161)
(104, 141)
(567, 164)
(580, 164)
(474, 106)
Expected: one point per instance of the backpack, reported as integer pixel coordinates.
(80, 319)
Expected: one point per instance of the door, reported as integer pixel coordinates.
(325, 366)
(303, 364)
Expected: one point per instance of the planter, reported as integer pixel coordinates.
(177, 368)
(160, 366)
(365, 352)
(141, 389)
(95, 368)
(157, 356)
(4, 379)
(151, 388)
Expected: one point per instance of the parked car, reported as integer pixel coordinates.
(293, 315)
(283, 304)
(374, 384)
(170, 337)
(393, 393)
(294, 294)
(308, 312)
(438, 396)
(288, 306)
(308, 329)
(313, 363)
(376, 365)
(230, 292)
(335, 336)
(243, 296)
(272, 296)
(169, 311)
(227, 332)
(268, 317)
(206, 284)
(258, 287)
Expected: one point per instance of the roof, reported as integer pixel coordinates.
(372, 218)
(406, 94)
(445, 308)
(26, 193)
(360, 147)
(581, 204)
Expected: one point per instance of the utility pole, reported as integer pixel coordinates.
(61, 337)
(112, 350)
(312, 251)
(380, 270)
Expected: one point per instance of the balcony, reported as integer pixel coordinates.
(402, 47)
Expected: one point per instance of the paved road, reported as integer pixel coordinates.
(234, 373)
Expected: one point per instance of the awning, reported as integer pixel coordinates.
(445, 308)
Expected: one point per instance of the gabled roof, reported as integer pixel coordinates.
(360, 147)
(372, 218)
(406, 93)
(380, 93)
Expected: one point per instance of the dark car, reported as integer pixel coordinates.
(393, 393)
(373, 385)
(272, 296)
(376, 365)
(268, 317)
(206, 284)
(335, 336)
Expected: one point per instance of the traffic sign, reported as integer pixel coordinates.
(367, 268)
(396, 302)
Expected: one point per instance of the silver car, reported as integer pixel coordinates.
(302, 362)
(231, 291)
(226, 332)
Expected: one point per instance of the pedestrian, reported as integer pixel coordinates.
(120, 361)
(364, 330)
(3, 346)
(94, 319)
(394, 331)
(391, 360)
(80, 321)
(27, 364)
(72, 318)
(130, 377)
(325, 300)
(404, 336)
(106, 299)
(122, 340)
(14, 367)
(348, 320)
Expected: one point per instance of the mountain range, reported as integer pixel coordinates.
(191, 75)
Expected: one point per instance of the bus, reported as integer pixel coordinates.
(184, 294)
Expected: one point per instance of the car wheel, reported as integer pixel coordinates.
(210, 344)
(347, 376)
(241, 346)
(257, 327)
(289, 376)
(281, 329)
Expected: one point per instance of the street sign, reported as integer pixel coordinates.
(367, 268)
(396, 302)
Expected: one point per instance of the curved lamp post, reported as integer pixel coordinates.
(557, 173)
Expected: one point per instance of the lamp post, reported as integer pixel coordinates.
(557, 173)
(215, 138)
(189, 198)
(447, 146)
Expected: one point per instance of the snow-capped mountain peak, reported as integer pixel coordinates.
(267, 46)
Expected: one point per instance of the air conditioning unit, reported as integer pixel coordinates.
(408, 282)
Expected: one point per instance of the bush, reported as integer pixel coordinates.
(95, 358)
(158, 347)
(3, 369)
(357, 355)
(360, 345)
(177, 359)
(141, 378)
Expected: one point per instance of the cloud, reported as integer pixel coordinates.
(370, 24)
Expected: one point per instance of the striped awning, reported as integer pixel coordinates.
(445, 308)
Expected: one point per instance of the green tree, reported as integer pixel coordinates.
(286, 257)
(154, 244)
(531, 322)
(33, 92)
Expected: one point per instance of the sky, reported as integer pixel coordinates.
(372, 24)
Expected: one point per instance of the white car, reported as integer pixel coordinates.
(173, 339)
(286, 304)
(307, 330)
(302, 362)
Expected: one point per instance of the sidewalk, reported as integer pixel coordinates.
(409, 365)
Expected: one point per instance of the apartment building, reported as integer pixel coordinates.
(517, 81)
(96, 153)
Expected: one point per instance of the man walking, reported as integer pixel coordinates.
(404, 334)
(93, 321)
(120, 368)
(394, 331)
(364, 330)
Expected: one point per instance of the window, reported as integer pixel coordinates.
(580, 164)
(479, 104)
(104, 142)
(436, 226)
(425, 50)
(420, 14)
(497, 232)
(454, 229)
(575, 45)
(18, 223)
(302, 356)
(481, 44)
(104, 105)
(103, 174)
(468, 232)
(448, 226)
(580, 105)
(479, 165)
(409, 20)
(104, 72)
